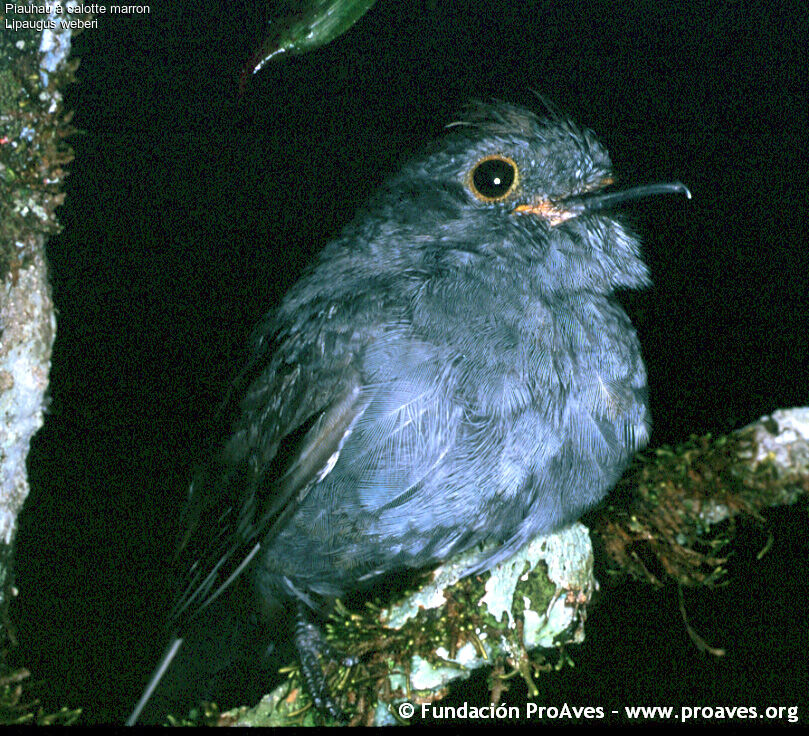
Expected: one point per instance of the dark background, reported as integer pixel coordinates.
(190, 210)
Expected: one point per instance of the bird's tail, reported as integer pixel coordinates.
(228, 656)
(155, 679)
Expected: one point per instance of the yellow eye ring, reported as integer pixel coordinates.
(493, 178)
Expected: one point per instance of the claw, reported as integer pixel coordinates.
(312, 648)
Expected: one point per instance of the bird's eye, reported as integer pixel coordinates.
(493, 178)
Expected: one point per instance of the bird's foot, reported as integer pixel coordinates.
(312, 648)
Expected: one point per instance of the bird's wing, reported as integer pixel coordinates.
(294, 411)
(291, 422)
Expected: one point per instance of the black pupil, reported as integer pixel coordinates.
(493, 178)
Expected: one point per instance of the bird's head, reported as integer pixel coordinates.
(509, 189)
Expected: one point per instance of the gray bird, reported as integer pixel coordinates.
(453, 370)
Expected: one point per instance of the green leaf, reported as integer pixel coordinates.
(310, 25)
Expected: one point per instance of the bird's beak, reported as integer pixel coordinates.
(558, 211)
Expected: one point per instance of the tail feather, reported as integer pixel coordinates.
(227, 656)
(155, 679)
